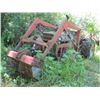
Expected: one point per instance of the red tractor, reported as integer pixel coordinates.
(53, 42)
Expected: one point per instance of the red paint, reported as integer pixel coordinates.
(12, 54)
(64, 26)
(25, 58)
(34, 25)
(78, 36)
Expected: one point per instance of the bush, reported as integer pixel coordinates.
(67, 72)
(15, 25)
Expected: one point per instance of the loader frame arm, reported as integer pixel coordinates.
(64, 26)
(24, 56)
(32, 27)
(35, 24)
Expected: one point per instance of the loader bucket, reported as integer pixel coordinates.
(25, 58)
(28, 66)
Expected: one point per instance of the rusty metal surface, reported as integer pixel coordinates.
(24, 63)
(65, 24)
(25, 70)
(61, 47)
(23, 58)
(35, 24)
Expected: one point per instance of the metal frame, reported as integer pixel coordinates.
(24, 39)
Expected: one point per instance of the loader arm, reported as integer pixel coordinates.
(32, 27)
(65, 24)
(35, 24)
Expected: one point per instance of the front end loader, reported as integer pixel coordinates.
(54, 43)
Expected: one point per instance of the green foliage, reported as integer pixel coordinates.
(7, 80)
(38, 54)
(15, 25)
(3, 57)
(96, 58)
(67, 72)
(89, 25)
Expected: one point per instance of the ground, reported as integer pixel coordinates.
(93, 72)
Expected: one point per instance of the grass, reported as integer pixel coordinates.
(91, 77)
(92, 66)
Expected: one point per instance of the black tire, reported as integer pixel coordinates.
(85, 48)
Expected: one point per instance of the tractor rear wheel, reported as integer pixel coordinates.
(86, 49)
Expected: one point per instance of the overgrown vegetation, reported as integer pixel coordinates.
(67, 72)
(71, 70)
